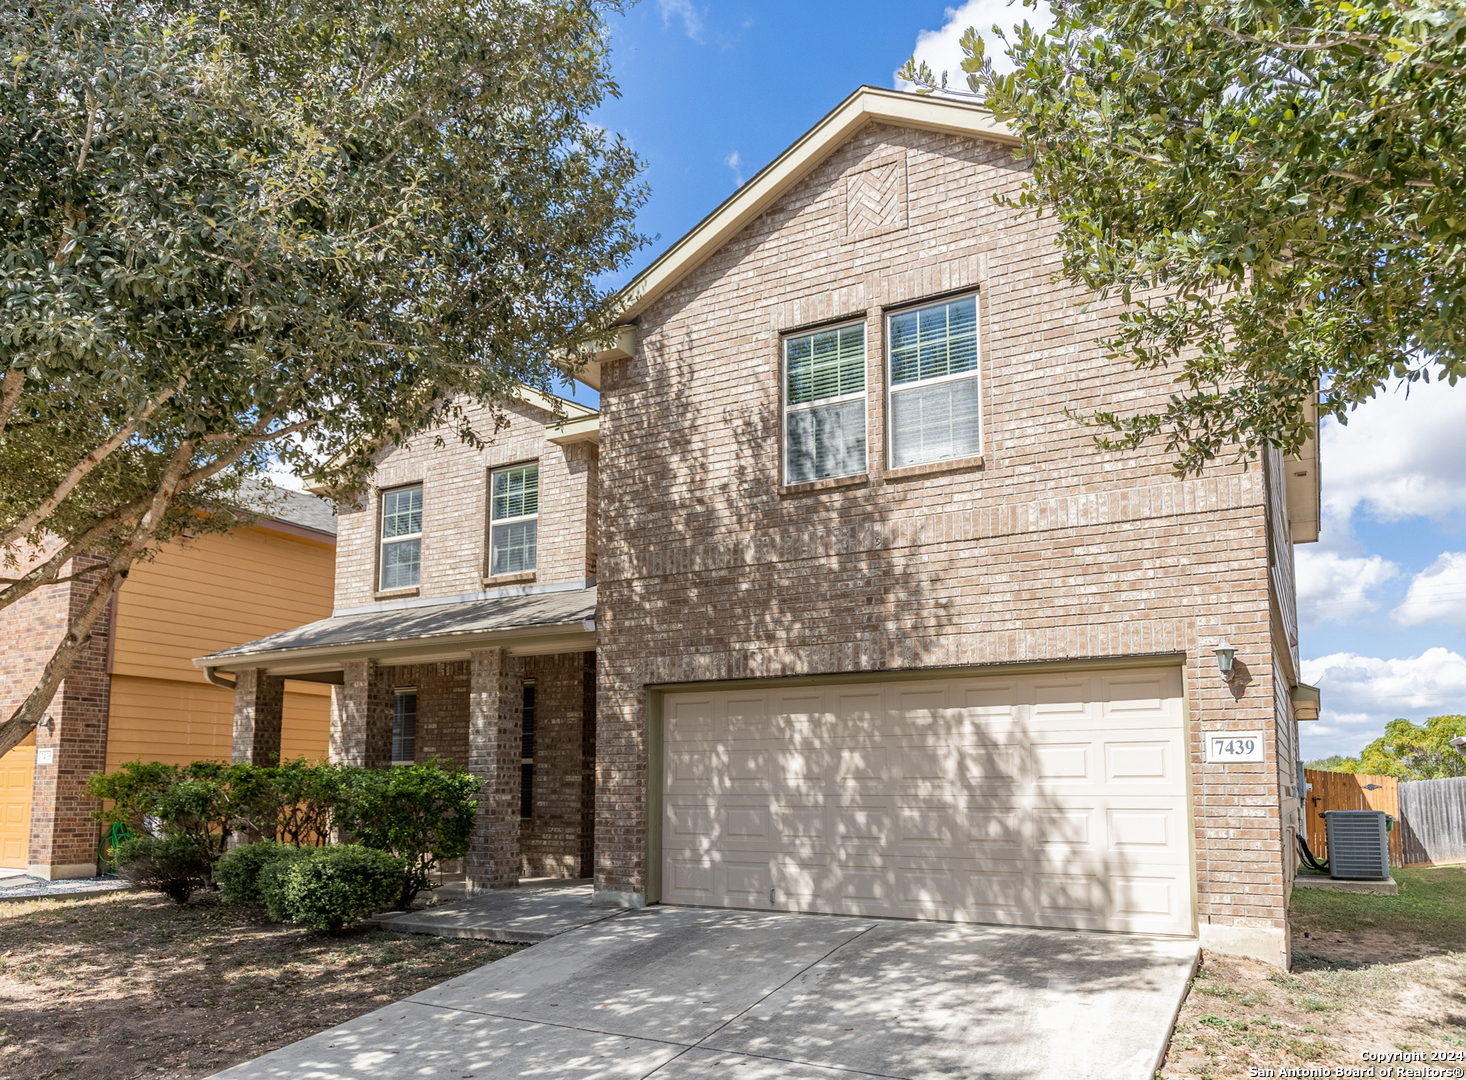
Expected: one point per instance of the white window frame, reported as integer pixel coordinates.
(892, 390)
(383, 542)
(863, 394)
(398, 692)
(514, 520)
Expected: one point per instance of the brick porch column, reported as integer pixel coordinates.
(361, 716)
(495, 728)
(259, 707)
(71, 744)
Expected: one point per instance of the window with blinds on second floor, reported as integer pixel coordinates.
(824, 404)
(514, 507)
(935, 404)
(401, 538)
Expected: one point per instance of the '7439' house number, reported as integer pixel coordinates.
(1229, 746)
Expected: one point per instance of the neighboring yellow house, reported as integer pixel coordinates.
(196, 596)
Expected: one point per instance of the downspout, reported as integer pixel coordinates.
(218, 680)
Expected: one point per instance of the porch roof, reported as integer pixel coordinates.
(536, 623)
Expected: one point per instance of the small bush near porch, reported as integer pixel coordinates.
(132, 985)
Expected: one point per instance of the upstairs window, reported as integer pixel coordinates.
(824, 404)
(401, 538)
(514, 519)
(935, 403)
(404, 725)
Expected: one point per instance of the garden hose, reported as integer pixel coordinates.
(115, 835)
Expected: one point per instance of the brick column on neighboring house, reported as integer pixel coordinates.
(495, 731)
(259, 706)
(71, 744)
(361, 716)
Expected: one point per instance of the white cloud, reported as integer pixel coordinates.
(735, 162)
(1361, 694)
(1437, 594)
(1398, 457)
(940, 48)
(1333, 587)
(682, 9)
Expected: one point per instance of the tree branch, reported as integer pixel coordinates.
(10, 389)
(80, 470)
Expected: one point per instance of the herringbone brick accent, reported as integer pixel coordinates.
(875, 198)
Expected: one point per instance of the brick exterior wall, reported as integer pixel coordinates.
(455, 480)
(63, 835)
(361, 716)
(1045, 549)
(259, 712)
(495, 710)
(552, 840)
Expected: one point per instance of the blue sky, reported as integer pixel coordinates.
(713, 92)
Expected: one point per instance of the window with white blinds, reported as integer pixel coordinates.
(401, 560)
(935, 400)
(824, 404)
(514, 509)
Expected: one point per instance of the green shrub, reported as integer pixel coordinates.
(270, 881)
(174, 865)
(237, 873)
(325, 888)
(204, 800)
(423, 814)
(304, 798)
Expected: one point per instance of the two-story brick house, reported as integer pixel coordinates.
(463, 630)
(878, 629)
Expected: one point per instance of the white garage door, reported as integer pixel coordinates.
(1034, 801)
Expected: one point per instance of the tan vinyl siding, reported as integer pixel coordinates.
(176, 722)
(213, 592)
(197, 597)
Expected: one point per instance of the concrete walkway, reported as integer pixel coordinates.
(674, 993)
(527, 914)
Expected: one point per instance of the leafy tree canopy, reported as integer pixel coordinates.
(1278, 189)
(1408, 751)
(289, 228)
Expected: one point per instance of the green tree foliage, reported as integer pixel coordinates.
(1276, 187)
(1416, 751)
(297, 229)
(1408, 751)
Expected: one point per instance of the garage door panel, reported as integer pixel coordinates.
(1039, 802)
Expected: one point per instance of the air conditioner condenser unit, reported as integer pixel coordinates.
(1359, 843)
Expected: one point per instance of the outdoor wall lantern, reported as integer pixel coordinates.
(1225, 651)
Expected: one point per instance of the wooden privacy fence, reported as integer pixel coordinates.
(1430, 815)
(1348, 791)
(1433, 816)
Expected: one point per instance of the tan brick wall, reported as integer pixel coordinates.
(1049, 549)
(551, 841)
(455, 479)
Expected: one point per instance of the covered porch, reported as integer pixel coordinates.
(503, 687)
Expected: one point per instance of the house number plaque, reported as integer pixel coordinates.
(1227, 746)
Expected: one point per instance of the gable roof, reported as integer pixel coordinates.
(867, 105)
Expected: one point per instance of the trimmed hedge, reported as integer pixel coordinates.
(326, 888)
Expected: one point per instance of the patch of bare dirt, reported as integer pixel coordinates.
(1361, 992)
(126, 986)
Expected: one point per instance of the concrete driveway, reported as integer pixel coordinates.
(674, 993)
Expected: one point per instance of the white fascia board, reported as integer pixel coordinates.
(867, 105)
(1302, 488)
(572, 410)
(574, 431)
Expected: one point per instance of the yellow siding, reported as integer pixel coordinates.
(216, 591)
(160, 720)
(17, 774)
(198, 597)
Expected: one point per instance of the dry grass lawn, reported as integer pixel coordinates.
(1369, 973)
(132, 985)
